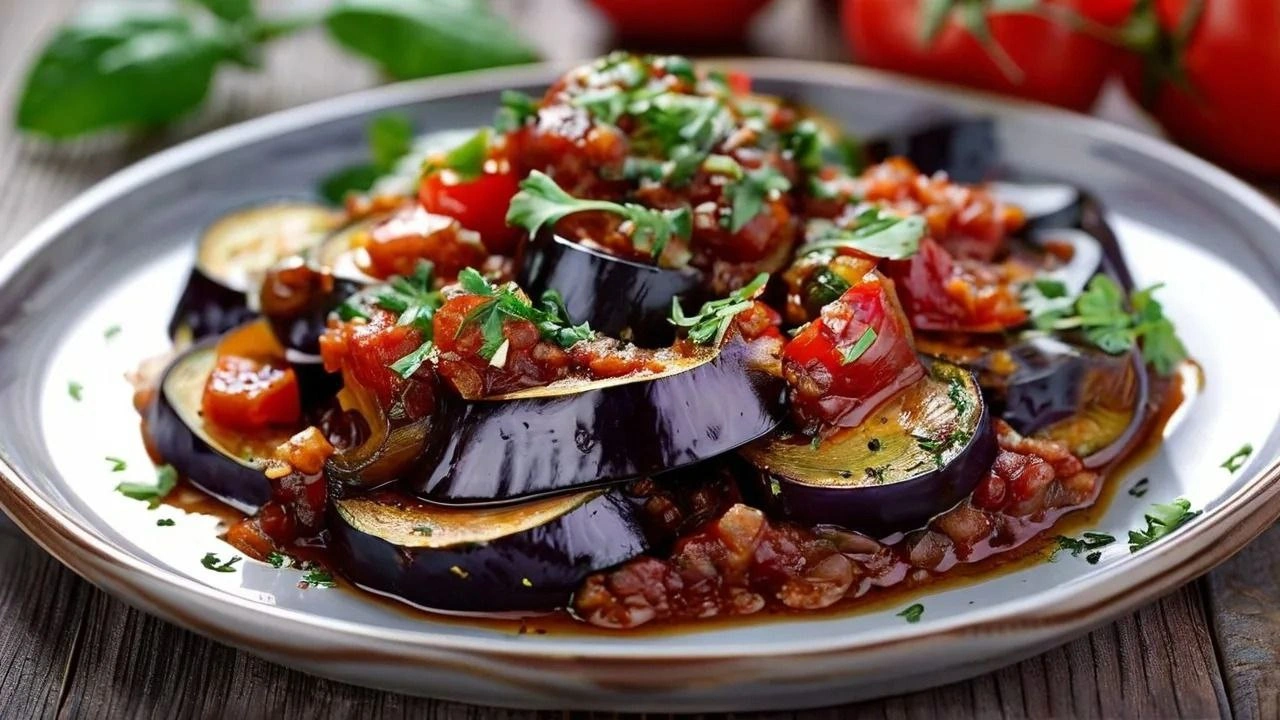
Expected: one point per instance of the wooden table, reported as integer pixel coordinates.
(66, 648)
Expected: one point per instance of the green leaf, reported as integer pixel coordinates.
(117, 464)
(474, 283)
(419, 38)
(747, 196)
(165, 522)
(853, 352)
(516, 109)
(229, 10)
(1238, 459)
(354, 179)
(390, 138)
(211, 561)
(712, 321)
(1162, 519)
(912, 613)
(111, 332)
(319, 578)
(118, 66)
(166, 480)
(406, 366)
(466, 160)
(75, 390)
(1086, 543)
(876, 233)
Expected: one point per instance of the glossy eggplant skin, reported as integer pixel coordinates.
(617, 297)
(876, 508)
(501, 450)
(299, 322)
(196, 455)
(207, 308)
(532, 569)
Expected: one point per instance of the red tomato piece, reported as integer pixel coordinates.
(364, 352)
(526, 361)
(832, 385)
(248, 395)
(398, 243)
(940, 293)
(479, 204)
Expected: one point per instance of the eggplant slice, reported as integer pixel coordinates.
(231, 255)
(917, 455)
(223, 464)
(617, 297)
(573, 435)
(525, 557)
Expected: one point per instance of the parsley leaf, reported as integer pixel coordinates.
(165, 522)
(211, 561)
(1238, 459)
(1086, 544)
(317, 578)
(466, 160)
(855, 351)
(1162, 519)
(912, 613)
(541, 202)
(75, 390)
(551, 317)
(406, 366)
(1140, 488)
(875, 233)
(515, 109)
(278, 560)
(117, 464)
(747, 196)
(166, 480)
(713, 319)
(111, 332)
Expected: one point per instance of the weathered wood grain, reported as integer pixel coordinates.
(67, 649)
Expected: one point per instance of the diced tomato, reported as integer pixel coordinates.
(364, 352)
(940, 293)
(479, 204)
(398, 243)
(249, 395)
(829, 386)
(526, 361)
(739, 82)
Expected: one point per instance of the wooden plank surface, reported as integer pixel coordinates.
(67, 649)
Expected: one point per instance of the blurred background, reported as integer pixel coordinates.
(1205, 72)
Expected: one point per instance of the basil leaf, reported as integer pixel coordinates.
(120, 66)
(417, 38)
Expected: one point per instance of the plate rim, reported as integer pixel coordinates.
(1110, 592)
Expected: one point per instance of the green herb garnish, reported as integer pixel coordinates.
(1139, 488)
(550, 316)
(406, 366)
(938, 447)
(75, 390)
(959, 395)
(541, 202)
(166, 480)
(423, 530)
(278, 560)
(1086, 543)
(912, 613)
(1162, 519)
(876, 233)
(111, 332)
(466, 160)
(713, 319)
(515, 109)
(211, 561)
(1100, 313)
(855, 351)
(318, 577)
(165, 522)
(747, 196)
(1238, 459)
(117, 464)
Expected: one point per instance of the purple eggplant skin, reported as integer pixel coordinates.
(617, 297)
(297, 299)
(878, 509)
(207, 308)
(532, 569)
(499, 450)
(218, 472)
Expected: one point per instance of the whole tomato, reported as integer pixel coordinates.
(1036, 53)
(674, 22)
(1213, 77)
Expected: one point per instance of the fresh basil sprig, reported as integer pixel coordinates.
(541, 202)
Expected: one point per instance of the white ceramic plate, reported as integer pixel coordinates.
(118, 254)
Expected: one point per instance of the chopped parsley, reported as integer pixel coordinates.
(166, 480)
(423, 530)
(550, 316)
(853, 352)
(713, 319)
(211, 561)
(165, 522)
(317, 577)
(406, 366)
(938, 447)
(1087, 544)
(959, 395)
(877, 472)
(1140, 488)
(1162, 519)
(912, 613)
(75, 390)
(515, 110)
(875, 233)
(278, 560)
(466, 160)
(747, 196)
(1238, 459)
(111, 332)
(117, 464)
(541, 202)
(416, 300)
(1100, 313)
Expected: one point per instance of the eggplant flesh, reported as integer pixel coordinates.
(526, 557)
(917, 455)
(227, 465)
(617, 297)
(231, 255)
(566, 437)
